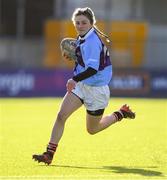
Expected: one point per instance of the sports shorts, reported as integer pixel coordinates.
(93, 97)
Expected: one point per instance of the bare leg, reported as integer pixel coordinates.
(95, 124)
(99, 123)
(70, 104)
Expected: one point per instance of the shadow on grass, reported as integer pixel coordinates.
(120, 169)
(129, 170)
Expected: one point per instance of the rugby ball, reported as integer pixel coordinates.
(68, 46)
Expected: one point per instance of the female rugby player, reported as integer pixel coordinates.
(89, 84)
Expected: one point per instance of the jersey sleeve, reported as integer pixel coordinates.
(84, 75)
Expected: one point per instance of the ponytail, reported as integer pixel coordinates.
(102, 34)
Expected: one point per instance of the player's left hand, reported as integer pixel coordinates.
(70, 85)
(66, 57)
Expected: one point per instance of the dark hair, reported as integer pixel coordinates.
(86, 12)
(90, 15)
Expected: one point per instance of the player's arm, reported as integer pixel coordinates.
(84, 75)
(71, 83)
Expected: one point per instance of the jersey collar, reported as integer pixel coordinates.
(87, 34)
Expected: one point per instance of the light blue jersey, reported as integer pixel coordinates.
(91, 52)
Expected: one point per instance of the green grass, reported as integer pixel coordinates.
(131, 149)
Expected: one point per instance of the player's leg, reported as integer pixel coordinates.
(70, 104)
(96, 100)
(95, 122)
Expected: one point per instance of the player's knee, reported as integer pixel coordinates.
(61, 117)
(91, 131)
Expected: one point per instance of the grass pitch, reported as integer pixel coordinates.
(130, 149)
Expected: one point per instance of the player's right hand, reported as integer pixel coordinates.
(70, 85)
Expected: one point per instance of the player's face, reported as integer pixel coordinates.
(82, 24)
